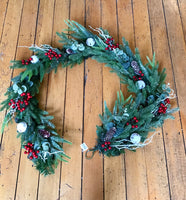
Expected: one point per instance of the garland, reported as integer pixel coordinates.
(126, 127)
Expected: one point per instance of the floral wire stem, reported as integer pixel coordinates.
(133, 146)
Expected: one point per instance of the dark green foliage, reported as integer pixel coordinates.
(118, 124)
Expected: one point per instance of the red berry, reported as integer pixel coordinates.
(36, 156)
(105, 149)
(13, 107)
(23, 93)
(136, 126)
(21, 102)
(30, 59)
(111, 38)
(50, 50)
(28, 94)
(139, 78)
(133, 126)
(9, 104)
(109, 148)
(102, 145)
(28, 143)
(31, 157)
(25, 152)
(162, 104)
(23, 60)
(127, 123)
(142, 74)
(108, 143)
(46, 54)
(50, 58)
(26, 104)
(60, 55)
(137, 121)
(37, 151)
(25, 147)
(134, 77)
(23, 109)
(134, 118)
(26, 63)
(11, 100)
(106, 48)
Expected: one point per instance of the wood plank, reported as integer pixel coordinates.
(3, 10)
(56, 98)
(71, 172)
(136, 176)
(92, 176)
(44, 36)
(156, 173)
(26, 173)
(174, 139)
(182, 12)
(114, 176)
(10, 147)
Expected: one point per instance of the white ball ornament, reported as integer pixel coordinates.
(140, 84)
(90, 42)
(35, 59)
(135, 138)
(21, 127)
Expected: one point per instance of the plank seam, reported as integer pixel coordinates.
(4, 21)
(165, 152)
(184, 35)
(84, 85)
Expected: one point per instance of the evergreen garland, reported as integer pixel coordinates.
(126, 127)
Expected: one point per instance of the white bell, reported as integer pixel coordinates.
(90, 42)
(141, 84)
(135, 138)
(21, 127)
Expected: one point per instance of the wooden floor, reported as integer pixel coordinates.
(75, 97)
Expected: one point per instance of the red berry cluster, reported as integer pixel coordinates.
(21, 104)
(52, 54)
(134, 120)
(30, 150)
(163, 107)
(136, 78)
(111, 46)
(26, 62)
(106, 146)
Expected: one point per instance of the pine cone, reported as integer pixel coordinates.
(110, 133)
(135, 67)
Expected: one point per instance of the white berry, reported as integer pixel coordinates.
(35, 59)
(21, 127)
(90, 42)
(141, 84)
(135, 138)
